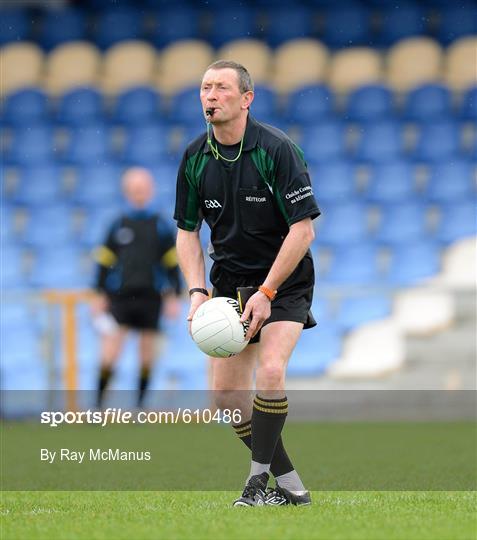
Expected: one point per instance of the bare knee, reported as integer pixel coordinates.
(231, 399)
(270, 376)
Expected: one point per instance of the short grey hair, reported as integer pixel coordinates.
(244, 80)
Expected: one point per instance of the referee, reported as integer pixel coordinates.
(137, 279)
(250, 183)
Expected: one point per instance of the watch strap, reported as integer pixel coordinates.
(198, 289)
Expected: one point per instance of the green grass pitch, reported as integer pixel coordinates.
(374, 481)
(208, 515)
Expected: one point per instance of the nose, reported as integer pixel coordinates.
(211, 95)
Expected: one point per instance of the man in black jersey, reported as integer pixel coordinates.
(137, 279)
(250, 183)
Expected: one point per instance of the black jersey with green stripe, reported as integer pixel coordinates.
(250, 204)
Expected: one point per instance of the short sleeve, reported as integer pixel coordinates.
(187, 210)
(292, 186)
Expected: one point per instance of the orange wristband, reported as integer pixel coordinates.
(269, 293)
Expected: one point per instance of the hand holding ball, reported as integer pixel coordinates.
(216, 328)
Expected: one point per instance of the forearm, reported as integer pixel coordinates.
(191, 258)
(293, 249)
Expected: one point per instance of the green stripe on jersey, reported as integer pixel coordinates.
(194, 168)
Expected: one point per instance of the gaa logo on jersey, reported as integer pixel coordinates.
(212, 203)
(124, 236)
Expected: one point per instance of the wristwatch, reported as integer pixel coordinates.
(198, 289)
(269, 293)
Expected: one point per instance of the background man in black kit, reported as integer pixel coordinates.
(137, 280)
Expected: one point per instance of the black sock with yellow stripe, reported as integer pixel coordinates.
(268, 419)
(281, 463)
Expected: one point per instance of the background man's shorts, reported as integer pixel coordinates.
(294, 298)
(137, 312)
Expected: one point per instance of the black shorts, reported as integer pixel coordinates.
(137, 312)
(294, 297)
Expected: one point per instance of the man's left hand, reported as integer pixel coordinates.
(258, 308)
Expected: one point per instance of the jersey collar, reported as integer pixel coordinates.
(250, 138)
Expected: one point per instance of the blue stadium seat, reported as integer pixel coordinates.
(346, 24)
(101, 5)
(357, 310)
(324, 141)
(185, 107)
(288, 22)
(62, 25)
(413, 262)
(457, 20)
(457, 220)
(322, 308)
(469, 105)
(14, 315)
(25, 107)
(181, 362)
(320, 3)
(97, 223)
(342, 223)
(472, 150)
(451, 181)
(98, 184)
(118, 24)
(309, 104)
(39, 185)
(264, 106)
(370, 102)
(164, 4)
(354, 264)
(427, 102)
(189, 133)
(31, 145)
(402, 223)
(333, 181)
(137, 105)
(19, 346)
(12, 275)
(146, 144)
(315, 351)
(165, 176)
(391, 182)
(80, 106)
(380, 141)
(401, 20)
(59, 268)
(230, 22)
(174, 23)
(438, 140)
(7, 225)
(88, 144)
(266, 4)
(14, 25)
(48, 225)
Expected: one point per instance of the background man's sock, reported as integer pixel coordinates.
(104, 376)
(144, 377)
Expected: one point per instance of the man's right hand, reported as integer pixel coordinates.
(196, 300)
(99, 304)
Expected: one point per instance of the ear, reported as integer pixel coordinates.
(247, 99)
